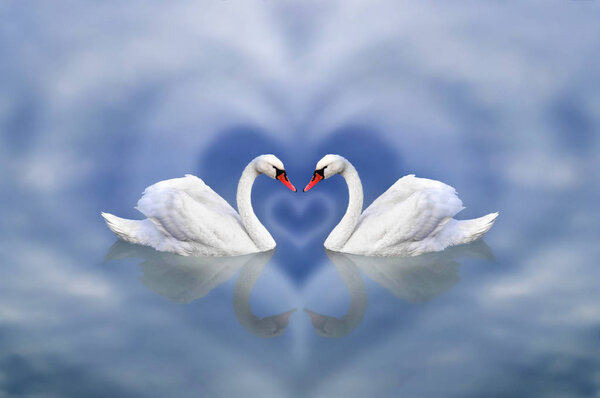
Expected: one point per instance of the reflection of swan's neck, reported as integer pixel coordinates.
(257, 232)
(271, 326)
(340, 234)
(329, 326)
(356, 287)
(243, 290)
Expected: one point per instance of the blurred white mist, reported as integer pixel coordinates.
(100, 99)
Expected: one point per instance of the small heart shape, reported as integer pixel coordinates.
(300, 219)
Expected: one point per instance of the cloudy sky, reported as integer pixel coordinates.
(100, 99)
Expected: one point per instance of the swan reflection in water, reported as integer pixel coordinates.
(415, 279)
(185, 279)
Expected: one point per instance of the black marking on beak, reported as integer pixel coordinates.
(281, 175)
(318, 175)
(279, 172)
(320, 172)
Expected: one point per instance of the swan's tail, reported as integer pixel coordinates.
(471, 230)
(127, 230)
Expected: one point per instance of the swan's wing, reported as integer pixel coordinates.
(408, 212)
(196, 189)
(189, 211)
(401, 190)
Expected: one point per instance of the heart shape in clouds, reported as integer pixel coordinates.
(299, 232)
(299, 220)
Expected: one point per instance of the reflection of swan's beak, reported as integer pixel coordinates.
(317, 319)
(272, 326)
(283, 178)
(324, 325)
(282, 320)
(316, 178)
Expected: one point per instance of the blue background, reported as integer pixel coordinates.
(499, 99)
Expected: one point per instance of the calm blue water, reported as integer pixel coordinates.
(98, 101)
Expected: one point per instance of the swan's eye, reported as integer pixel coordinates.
(279, 172)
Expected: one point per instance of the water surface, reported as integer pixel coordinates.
(498, 100)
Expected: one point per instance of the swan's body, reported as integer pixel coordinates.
(414, 216)
(185, 216)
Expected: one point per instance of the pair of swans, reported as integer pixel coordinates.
(185, 216)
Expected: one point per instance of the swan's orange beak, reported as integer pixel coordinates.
(283, 178)
(316, 178)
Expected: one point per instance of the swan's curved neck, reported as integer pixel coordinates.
(341, 233)
(257, 232)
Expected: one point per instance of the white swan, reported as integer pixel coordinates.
(185, 216)
(413, 216)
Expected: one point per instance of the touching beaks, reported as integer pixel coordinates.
(317, 176)
(283, 178)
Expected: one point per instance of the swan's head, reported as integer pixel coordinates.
(271, 166)
(328, 166)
